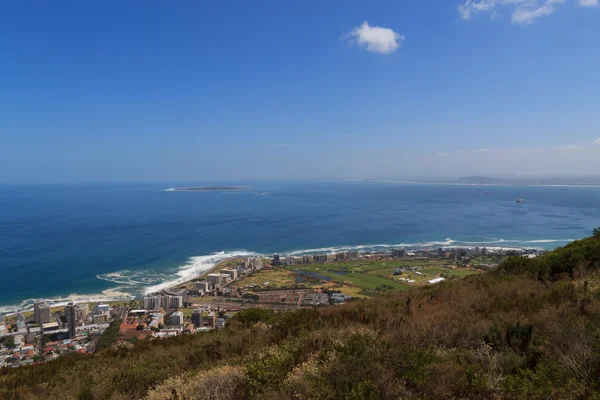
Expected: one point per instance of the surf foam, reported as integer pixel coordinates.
(131, 284)
(508, 244)
(195, 267)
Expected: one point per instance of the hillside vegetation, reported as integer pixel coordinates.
(528, 330)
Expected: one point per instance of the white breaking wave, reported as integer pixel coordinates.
(195, 267)
(549, 241)
(139, 282)
(447, 243)
(133, 278)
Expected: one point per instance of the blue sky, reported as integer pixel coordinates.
(155, 91)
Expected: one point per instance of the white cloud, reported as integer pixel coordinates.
(525, 14)
(465, 10)
(461, 152)
(523, 11)
(376, 39)
(570, 147)
(597, 142)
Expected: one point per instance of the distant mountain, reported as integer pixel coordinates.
(486, 180)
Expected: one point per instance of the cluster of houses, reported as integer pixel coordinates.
(315, 258)
(27, 342)
(161, 323)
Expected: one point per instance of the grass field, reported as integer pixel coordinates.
(434, 272)
(354, 291)
(275, 278)
(358, 274)
(428, 271)
(361, 278)
(187, 312)
(378, 275)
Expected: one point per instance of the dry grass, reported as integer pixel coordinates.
(489, 336)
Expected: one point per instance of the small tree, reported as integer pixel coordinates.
(597, 233)
(9, 341)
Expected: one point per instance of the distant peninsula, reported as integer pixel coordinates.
(208, 189)
(548, 181)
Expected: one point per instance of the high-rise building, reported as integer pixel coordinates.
(276, 261)
(164, 301)
(175, 301)
(197, 317)
(71, 314)
(81, 313)
(104, 308)
(177, 318)
(20, 321)
(255, 263)
(214, 279)
(399, 253)
(2, 326)
(41, 312)
(204, 286)
(150, 302)
(307, 259)
(232, 273)
(320, 258)
(290, 260)
(353, 255)
(211, 319)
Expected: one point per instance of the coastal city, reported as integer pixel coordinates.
(207, 302)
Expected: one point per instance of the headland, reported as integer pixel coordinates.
(208, 189)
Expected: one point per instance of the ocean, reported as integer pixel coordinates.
(80, 242)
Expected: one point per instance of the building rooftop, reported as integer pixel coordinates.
(436, 280)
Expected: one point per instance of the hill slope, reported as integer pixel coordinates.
(529, 330)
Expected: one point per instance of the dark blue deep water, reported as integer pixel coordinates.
(58, 242)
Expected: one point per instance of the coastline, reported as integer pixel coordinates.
(203, 265)
(219, 265)
(567, 185)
